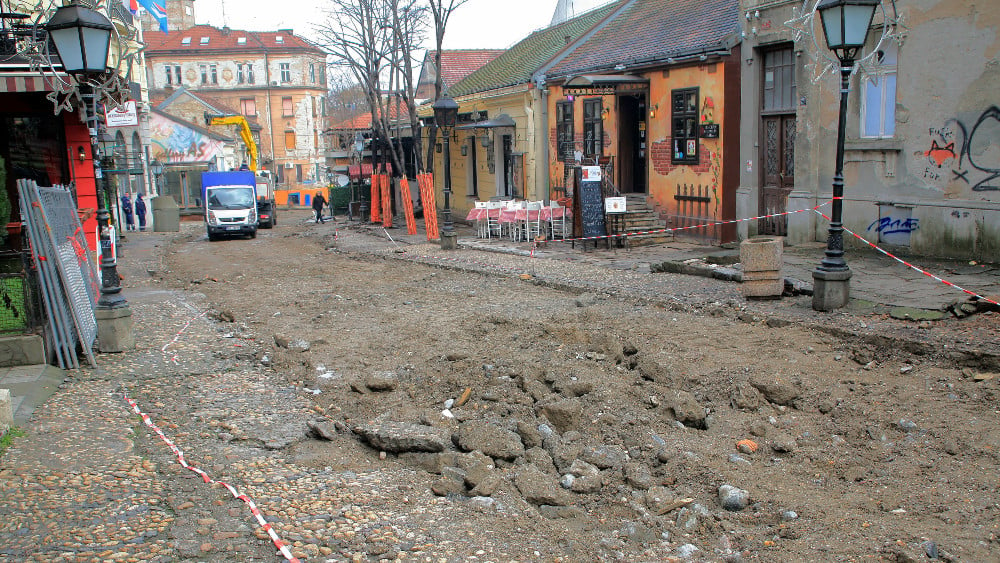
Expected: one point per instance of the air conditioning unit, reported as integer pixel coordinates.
(289, 165)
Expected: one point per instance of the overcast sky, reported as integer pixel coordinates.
(478, 24)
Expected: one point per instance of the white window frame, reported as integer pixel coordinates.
(881, 84)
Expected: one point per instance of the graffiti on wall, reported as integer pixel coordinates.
(964, 154)
(894, 225)
(174, 143)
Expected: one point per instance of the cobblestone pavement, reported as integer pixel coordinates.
(93, 482)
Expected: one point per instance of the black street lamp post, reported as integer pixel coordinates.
(446, 116)
(845, 26)
(82, 38)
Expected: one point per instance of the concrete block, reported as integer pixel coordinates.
(762, 260)
(114, 329)
(6, 411)
(22, 350)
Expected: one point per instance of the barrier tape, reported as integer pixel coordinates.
(911, 266)
(178, 335)
(282, 546)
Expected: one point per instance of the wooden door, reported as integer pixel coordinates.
(778, 173)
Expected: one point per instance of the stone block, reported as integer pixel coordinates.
(114, 329)
(761, 258)
(6, 411)
(22, 350)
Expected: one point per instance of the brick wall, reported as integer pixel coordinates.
(659, 156)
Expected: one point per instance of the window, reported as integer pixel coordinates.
(239, 74)
(878, 99)
(298, 173)
(286, 71)
(779, 81)
(168, 69)
(322, 106)
(279, 39)
(186, 41)
(249, 73)
(241, 40)
(564, 131)
(312, 73)
(214, 69)
(593, 128)
(248, 107)
(203, 41)
(289, 140)
(204, 73)
(287, 109)
(684, 121)
(177, 74)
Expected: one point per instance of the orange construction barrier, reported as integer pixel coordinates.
(375, 199)
(430, 207)
(386, 203)
(411, 222)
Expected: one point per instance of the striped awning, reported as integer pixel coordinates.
(25, 82)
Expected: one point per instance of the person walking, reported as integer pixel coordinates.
(140, 211)
(318, 202)
(127, 211)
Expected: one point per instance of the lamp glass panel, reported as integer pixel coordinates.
(832, 26)
(96, 43)
(68, 45)
(856, 22)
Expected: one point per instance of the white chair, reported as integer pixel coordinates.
(557, 220)
(493, 226)
(533, 220)
(514, 228)
(482, 225)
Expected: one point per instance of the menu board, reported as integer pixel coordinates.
(592, 203)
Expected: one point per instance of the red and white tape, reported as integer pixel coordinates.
(179, 333)
(282, 546)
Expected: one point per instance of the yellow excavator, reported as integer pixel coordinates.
(218, 119)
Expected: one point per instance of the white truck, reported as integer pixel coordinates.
(230, 203)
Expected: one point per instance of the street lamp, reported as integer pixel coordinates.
(446, 115)
(82, 38)
(845, 26)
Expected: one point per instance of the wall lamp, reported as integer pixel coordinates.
(605, 112)
(652, 110)
(81, 153)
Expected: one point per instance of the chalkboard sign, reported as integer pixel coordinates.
(709, 131)
(592, 203)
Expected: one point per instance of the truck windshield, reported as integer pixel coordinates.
(230, 197)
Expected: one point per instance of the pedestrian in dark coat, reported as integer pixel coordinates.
(140, 211)
(318, 202)
(127, 211)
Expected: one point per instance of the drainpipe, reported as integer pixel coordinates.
(270, 117)
(541, 139)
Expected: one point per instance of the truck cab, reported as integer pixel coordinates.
(230, 204)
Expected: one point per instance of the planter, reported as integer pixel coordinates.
(761, 259)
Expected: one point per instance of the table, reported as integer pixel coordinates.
(511, 217)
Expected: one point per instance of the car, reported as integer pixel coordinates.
(266, 214)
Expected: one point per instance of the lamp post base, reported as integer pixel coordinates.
(831, 289)
(449, 241)
(114, 329)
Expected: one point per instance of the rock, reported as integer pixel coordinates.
(538, 488)
(776, 389)
(382, 381)
(530, 435)
(745, 397)
(657, 497)
(281, 341)
(396, 437)
(580, 468)
(452, 482)
(783, 444)
(586, 300)
(226, 316)
(687, 551)
(651, 370)
(540, 459)
(604, 457)
(688, 411)
(638, 475)
(324, 429)
(489, 438)
(733, 498)
(587, 484)
(561, 512)
(563, 414)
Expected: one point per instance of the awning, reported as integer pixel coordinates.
(604, 83)
(502, 120)
(25, 83)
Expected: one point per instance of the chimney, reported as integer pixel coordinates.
(225, 30)
(566, 38)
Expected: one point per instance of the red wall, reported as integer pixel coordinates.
(77, 136)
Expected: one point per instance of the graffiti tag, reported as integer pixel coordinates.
(890, 225)
(978, 151)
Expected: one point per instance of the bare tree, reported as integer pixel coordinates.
(441, 11)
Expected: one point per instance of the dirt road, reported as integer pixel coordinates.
(583, 426)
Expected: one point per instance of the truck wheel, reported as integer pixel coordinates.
(253, 233)
(212, 237)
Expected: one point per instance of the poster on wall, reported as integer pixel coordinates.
(174, 143)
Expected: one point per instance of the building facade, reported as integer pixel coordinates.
(276, 80)
(922, 160)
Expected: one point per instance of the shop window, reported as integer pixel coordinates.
(564, 131)
(289, 140)
(684, 122)
(593, 130)
(878, 100)
(287, 110)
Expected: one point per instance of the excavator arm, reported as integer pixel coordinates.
(245, 134)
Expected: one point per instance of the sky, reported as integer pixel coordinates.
(478, 24)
